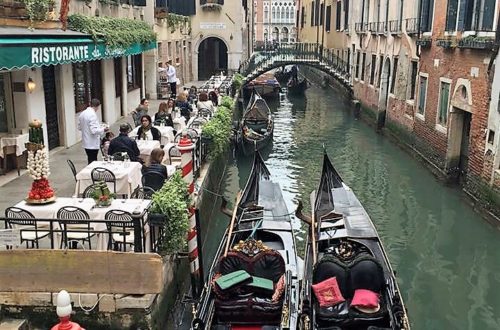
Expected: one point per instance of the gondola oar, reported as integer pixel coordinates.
(313, 233)
(231, 225)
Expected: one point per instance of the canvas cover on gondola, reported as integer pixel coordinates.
(259, 110)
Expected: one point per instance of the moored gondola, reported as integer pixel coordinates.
(253, 281)
(283, 75)
(348, 281)
(257, 125)
(294, 87)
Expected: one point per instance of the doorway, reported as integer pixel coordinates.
(212, 58)
(49, 88)
(458, 144)
(383, 93)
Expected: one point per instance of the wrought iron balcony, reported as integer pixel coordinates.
(381, 27)
(361, 27)
(472, 42)
(412, 26)
(424, 42)
(395, 26)
(211, 4)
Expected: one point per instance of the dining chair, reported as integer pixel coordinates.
(118, 156)
(153, 180)
(103, 174)
(198, 122)
(75, 225)
(26, 222)
(190, 132)
(89, 191)
(143, 192)
(205, 113)
(72, 168)
(120, 226)
(174, 155)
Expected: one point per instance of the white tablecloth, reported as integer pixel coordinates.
(49, 211)
(128, 176)
(179, 124)
(167, 133)
(17, 140)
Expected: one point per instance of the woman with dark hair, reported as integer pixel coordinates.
(155, 163)
(162, 112)
(214, 98)
(146, 131)
(204, 102)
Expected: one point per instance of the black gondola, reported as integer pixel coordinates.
(295, 87)
(347, 250)
(257, 125)
(253, 284)
(283, 75)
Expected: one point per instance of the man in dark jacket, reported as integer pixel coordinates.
(122, 143)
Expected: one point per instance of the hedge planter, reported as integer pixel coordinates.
(445, 43)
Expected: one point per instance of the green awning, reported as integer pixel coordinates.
(22, 53)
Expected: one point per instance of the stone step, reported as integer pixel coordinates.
(14, 324)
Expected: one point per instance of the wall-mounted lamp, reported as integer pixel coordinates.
(231, 37)
(30, 85)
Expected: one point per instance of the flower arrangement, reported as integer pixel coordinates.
(38, 166)
(101, 195)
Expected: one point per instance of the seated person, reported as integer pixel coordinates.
(140, 111)
(122, 143)
(106, 140)
(193, 94)
(184, 105)
(205, 103)
(146, 131)
(162, 112)
(155, 163)
(214, 97)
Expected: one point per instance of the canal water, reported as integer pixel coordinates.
(447, 258)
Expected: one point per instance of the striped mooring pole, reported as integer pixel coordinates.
(186, 147)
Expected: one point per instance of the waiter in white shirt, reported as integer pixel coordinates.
(172, 79)
(91, 129)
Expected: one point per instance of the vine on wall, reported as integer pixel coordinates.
(38, 10)
(175, 22)
(115, 32)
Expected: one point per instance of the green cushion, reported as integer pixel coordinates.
(226, 281)
(261, 283)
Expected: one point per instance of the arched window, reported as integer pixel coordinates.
(276, 34)
(274, 14)
(266, 13)
(282, 14)
(284, 34)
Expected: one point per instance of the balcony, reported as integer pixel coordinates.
(424, 42)
(211, 5)
(412, 26)
(395, 27)
(381, 27)
(372, 27)
(361, 27)
(472, 42)
(446, 43)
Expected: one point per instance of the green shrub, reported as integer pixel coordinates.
(218, 130)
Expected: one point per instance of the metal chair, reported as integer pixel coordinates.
(120, 226)
(89, 191)
(28, 225)
(72, 168)
(75, 225)
(153, 180)
(198, 122)
(103, 174)
(143, 193)
(205, 113)
(190, 132)
(174, 155)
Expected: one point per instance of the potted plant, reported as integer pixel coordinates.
(217, 132)
(169, 211)
(101, 195)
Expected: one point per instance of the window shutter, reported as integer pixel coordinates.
(451, 15)
(488, 15)
(424, 16)
(328, 18)
(313, 6)
(462, 15)
(338, 16)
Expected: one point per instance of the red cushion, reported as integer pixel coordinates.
(365, 298)
(328, 292)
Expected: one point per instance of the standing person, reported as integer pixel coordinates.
(91, 129)
(172, 79)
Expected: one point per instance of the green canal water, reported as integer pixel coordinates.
(447, 258)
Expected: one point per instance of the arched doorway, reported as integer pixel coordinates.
(212, 58)
(276, 35)
(284, 34)
(384, 92)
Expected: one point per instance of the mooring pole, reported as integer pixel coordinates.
(200, 249)
(186, 148)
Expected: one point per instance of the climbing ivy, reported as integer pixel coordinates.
(175, 21)
(115, 32)
(38, 10)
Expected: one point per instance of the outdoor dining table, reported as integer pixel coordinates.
(10, 144)
(137, 207)
(146, 147)
(167, 133)
(128, 176)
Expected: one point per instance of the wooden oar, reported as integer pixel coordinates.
(231, 225)
(313, 231)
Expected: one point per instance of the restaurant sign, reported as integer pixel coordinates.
(59, 52)
(10, 237)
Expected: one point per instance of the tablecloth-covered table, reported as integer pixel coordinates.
(13, 140)
(167, 133)
(128, 176)
(146, 147)
(49, 211)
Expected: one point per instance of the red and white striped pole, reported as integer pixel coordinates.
(186, 147)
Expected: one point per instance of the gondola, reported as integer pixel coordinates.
(348, 281)
(282, 75)
(297, 88)
(266, 85)
(253, 281)
(256, 126)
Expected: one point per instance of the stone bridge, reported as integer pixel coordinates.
(310, 54)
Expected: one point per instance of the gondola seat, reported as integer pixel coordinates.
(364, 272)
(247, 303)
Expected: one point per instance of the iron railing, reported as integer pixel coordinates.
(382, 27)
(412, 26)
(395, 26)
(358, 27)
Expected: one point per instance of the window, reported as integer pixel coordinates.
(422, 95)
(134, 71)
(321, 14)
(363, 67)
(303, 17)
(348, 60)
(357, 65)
(346, 14)
(117, 62)
(426, 15)
(338, 16)
(444, 98)
(491, 136)
(266, 14)
(82, 85)
(413, 76)
(328, 18)
(470, 15)
(313, 7)
(380, 67)
(394, 74)
(373, 66)
(316, 18)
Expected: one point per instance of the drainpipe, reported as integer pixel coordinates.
(323, 29)
(316, 19)
(418, 26)
(495, 48)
